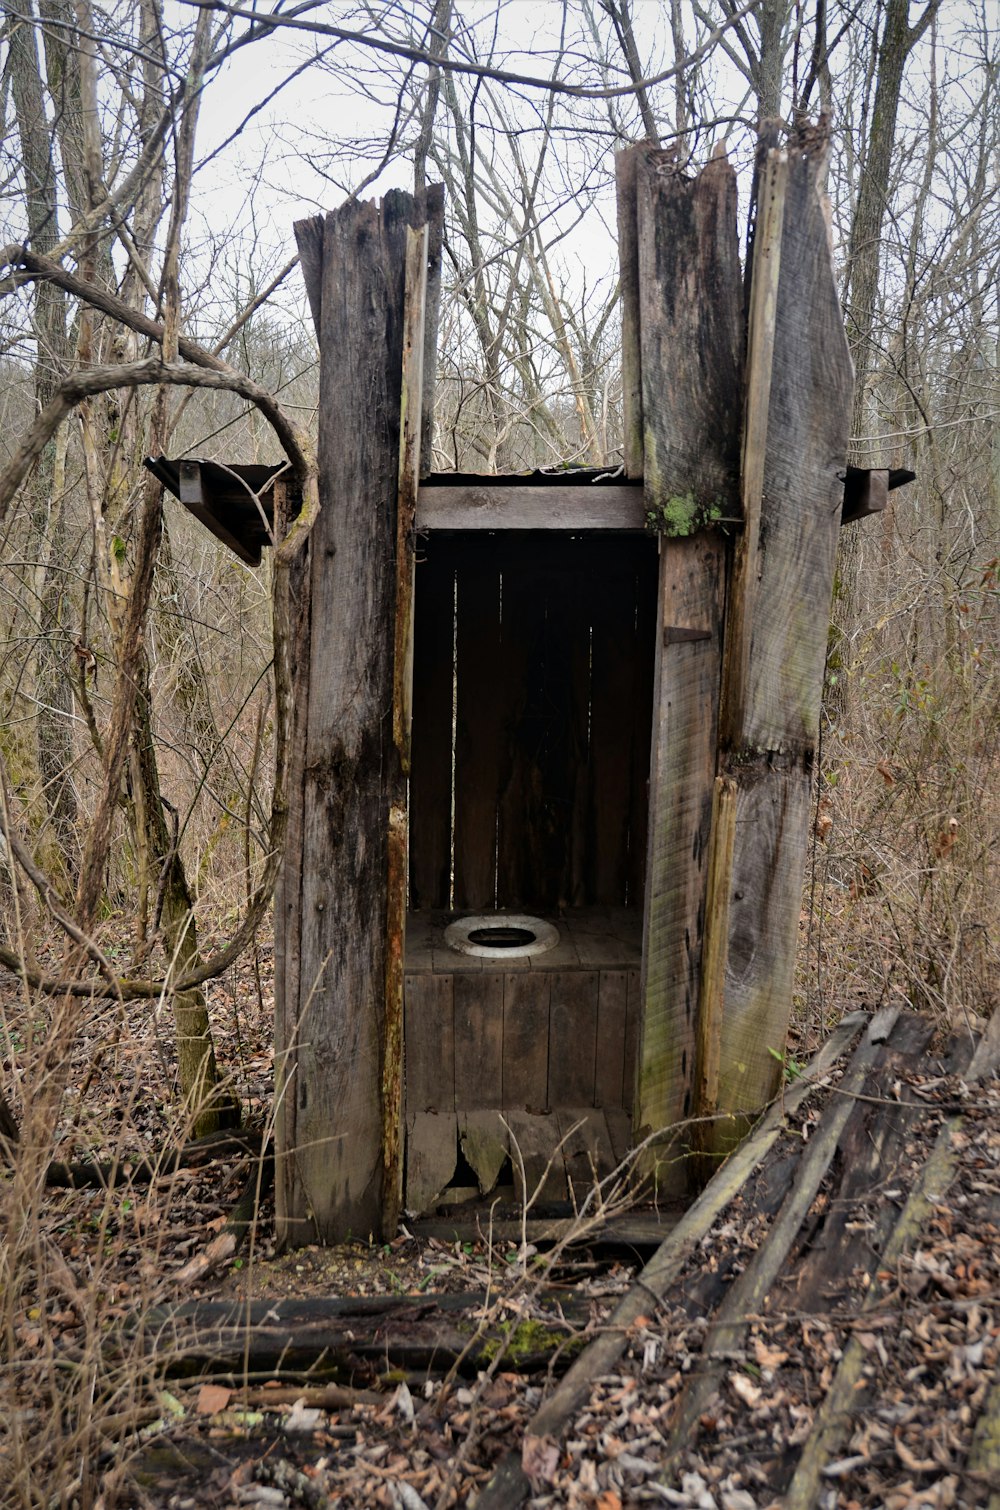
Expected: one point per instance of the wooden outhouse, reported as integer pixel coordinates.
(554, 734)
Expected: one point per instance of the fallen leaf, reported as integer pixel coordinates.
(768, 1357)
(302, 1417)
(212, 1398)
(539, 1459)
(745, 1389)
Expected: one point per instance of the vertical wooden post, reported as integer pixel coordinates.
(690, 308)
(411, 427)
(796, 427)
(337, 1138)
(628, 283)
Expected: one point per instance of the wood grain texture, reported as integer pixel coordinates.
(612, 507)
(479, 668)
(435, 240)
(309, 240)
(539, 1171)
(587, 1152)
(430, 1043)
(612, 1017)
(478, 1041)
(482, 1138)
(808, 421)
(573, 1038)
(691, 317)
(711, 995)
(682, 778)
(431, 1156)
(430, 775)
(628, 276)
(777, 629)
(526, 1041)
(346, 770)
(772, 832)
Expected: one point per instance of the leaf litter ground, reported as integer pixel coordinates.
(930, 1346)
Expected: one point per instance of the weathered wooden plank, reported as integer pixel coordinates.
(646, 652)
(541, 731)
(431, 1156)
(430, 778)
(711, 993)
(872, 1157)
(748, 1293)
(682, 778)
(330, 1130)
(612, 1017)
(479, 669)
(691, 316)
(573, 1038)
(483, 1140)
(795, 445)
(772, 833)
(478, 1040)
(619, 1125)
(539, 1172)
(637, 1229)
(419, 943)
(346, 1338)
(787, 573)
(397, 869)
(866, 492)
(763, 316)
(613, 507)
(435, 239)
(509, 1485)
(620, 703)
(633, 1030)
(586, 1149)
(309, 240)
(430, 1043)
(526, 1041)
(628, 283)
(844, 1396)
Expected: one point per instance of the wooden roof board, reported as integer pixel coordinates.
(571, 499)
(224, 498)
(576, 499)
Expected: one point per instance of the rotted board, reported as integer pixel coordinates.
(431, 1157)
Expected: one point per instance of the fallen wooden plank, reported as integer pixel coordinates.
(639, 1229)
(747, 1294)
(834, 1417)
(353, 1339)
(509, 1486)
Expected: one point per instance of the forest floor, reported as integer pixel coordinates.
(86, 1408)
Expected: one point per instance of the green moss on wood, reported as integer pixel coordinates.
(682, 515)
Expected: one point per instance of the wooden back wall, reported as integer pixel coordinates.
(532, 698)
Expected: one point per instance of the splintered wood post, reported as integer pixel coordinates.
(411, 427)
(432, 304)
(796, 427)
(690, 315)
(628, 283)
(336, 1154)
